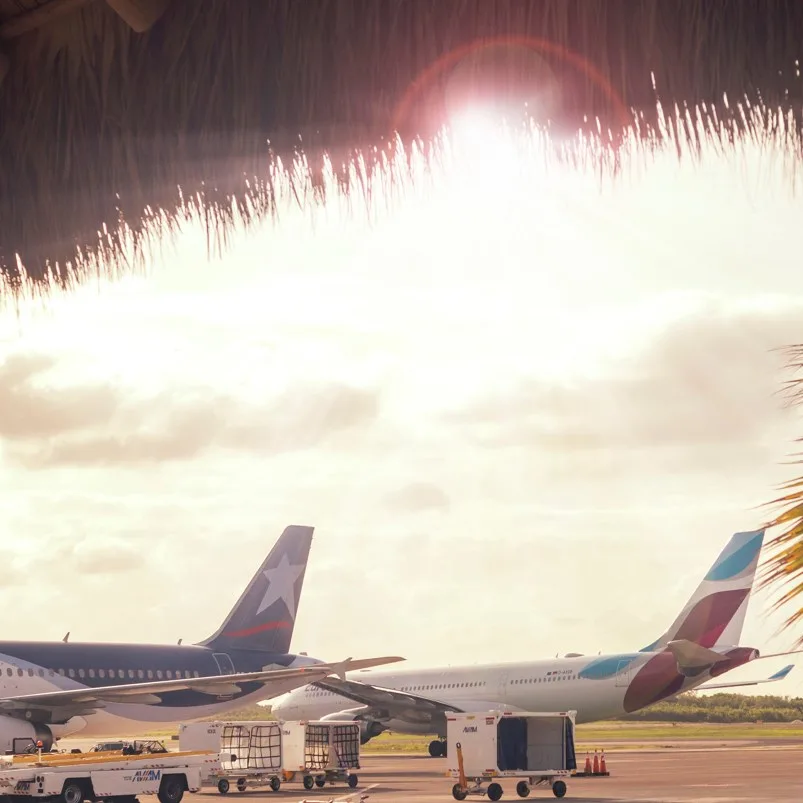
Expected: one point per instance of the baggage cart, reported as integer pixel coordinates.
(487, 747)
(250, 753)
(321, 752)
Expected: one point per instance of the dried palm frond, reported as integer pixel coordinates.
(98, 123)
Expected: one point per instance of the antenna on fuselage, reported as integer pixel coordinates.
(179, 641)
(66, 637)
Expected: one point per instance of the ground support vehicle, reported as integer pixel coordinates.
(75, 777)
(321, 752)
(536, 748)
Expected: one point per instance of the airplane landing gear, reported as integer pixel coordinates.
(437, 748)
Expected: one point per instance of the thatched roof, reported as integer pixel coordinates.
(104, 111)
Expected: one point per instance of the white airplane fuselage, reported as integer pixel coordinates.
(597, 687)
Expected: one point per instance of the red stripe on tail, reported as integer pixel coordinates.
(250, 631)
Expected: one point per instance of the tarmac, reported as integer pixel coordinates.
(765, 771)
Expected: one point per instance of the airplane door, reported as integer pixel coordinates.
(502, 679)
(623, 673)
(224, 663)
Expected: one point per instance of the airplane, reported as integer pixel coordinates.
(50, 690)
(702, 644)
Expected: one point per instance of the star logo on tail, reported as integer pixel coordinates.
(282, 586)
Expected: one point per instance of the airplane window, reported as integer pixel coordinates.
(80, 673)
(120, 673)
(150, 674)
(187, 673)
(72, 673)
(131, 673)
(30, 672)
(169, 674)
(140, 674)
(9, 671)
(91, 673)
(61, 672)
(159, 674)
(51, 672)
(196, 674)
(41, 673)
(102, 673)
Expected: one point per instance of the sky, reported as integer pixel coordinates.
(523, 408)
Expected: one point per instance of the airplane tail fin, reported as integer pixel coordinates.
(714, 615)
(264, 616)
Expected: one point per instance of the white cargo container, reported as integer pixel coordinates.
(75, 777)
(250, 753)
(487, 746)
(321, 752)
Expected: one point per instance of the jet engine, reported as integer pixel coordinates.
(369, 728)
(17, 734)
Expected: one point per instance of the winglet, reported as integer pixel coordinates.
(782, 673)
(339, 669)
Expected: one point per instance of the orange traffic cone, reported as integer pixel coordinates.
(596, 763)
(602, 766)
(587, 768)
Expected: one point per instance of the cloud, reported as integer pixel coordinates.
(101, 425)
(417, 496)
(706, 385)
(31, 410)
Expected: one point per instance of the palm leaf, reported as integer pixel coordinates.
(783, 571)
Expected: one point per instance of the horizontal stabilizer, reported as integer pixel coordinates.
(692, 656)
(779, 675)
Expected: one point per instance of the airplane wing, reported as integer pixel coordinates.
(779, 675)
(71, 702)
(386, 701)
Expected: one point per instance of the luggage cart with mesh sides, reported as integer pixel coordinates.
(321, 752)
(489, 747)
(250, 753)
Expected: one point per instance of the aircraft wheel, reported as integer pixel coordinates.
(522, 789)
(458, 793)
(494, 791)
(275, 784)
(352, 780)
(436, 748)
(309, 782)
(559, 788)
(223, 786)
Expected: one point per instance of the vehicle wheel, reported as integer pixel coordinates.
(494, 791)
(275, 784)
(436, 749)
(171, 790)
(559, 788)
(241, 784)
(320, 781)
(458, 793)
(309, 782)
(352, 781)
(223, 786)
(522, 789)
(72, 793)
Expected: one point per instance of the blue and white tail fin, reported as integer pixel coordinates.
(714, 615)
(264, 616)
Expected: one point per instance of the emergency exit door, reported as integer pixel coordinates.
(224, 663)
